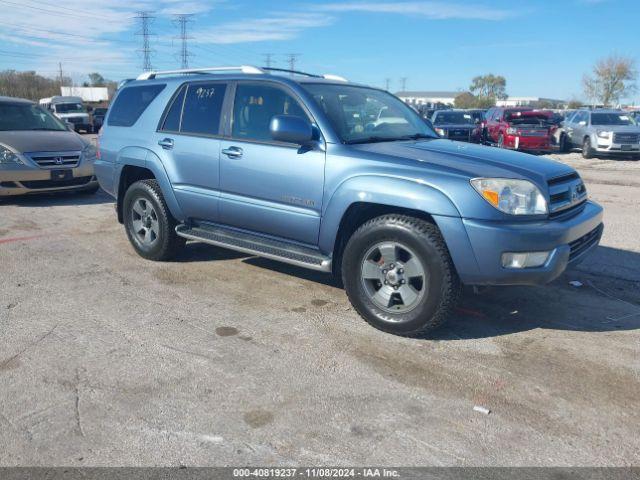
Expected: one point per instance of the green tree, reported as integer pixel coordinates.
(96, 80)
(489, 86)
(612, 78)
(465, 100)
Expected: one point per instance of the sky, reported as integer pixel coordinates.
(542, 47)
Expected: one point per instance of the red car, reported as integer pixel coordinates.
(520, 129)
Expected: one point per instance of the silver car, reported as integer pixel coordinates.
(601, 133)
(39, 154)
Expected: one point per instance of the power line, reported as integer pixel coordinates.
(292, 58)
(403, 81)
(182, 20)
(387, 84)
(145, 19)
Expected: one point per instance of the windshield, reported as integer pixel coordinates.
(456, 118)
(69, 108)
(364, 115)
(25, 116)
(610, 119)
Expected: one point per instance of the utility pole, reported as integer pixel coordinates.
(145, 18)
(387, 84)
(60, 73)
(403, 81)
(182, 20)
(292, 59)
(267, 59)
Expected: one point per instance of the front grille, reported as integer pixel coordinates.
(584, 243)
(458, 134)
(74, 119)
(55, 160)
(533, 133)
(626, 137)
(41, 184)
(567, 194)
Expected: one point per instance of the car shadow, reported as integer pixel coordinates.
(606, 299)
(57, 199)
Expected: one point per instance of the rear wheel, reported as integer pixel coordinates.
(587, 151)
(148, 222)
(399, 276)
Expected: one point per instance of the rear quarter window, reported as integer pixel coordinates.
(130, 103)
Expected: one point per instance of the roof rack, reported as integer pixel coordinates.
(242, 68)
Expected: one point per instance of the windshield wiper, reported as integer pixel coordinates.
(47, 129)
(417, 136)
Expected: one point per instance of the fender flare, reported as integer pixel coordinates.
(383, 190)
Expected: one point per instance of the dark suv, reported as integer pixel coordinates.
(337, 177)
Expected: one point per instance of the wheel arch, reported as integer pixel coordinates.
(142, 167)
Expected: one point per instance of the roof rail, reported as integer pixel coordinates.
(242, 68)
(326, 76)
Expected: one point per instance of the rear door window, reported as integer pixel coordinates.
(203, 108)
(130, 103)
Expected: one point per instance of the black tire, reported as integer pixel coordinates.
(167, 243)
(564, 144)
(441, 291)
(587, 151)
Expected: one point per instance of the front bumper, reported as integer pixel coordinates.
(569, 240)
(533, 144)
(617, 148)
(23, 180)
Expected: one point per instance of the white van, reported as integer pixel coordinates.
(68, 109)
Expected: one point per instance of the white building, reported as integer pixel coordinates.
(425, 98)
(528, 102)
(87, 94)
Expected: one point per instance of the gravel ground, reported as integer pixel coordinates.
(222, 359)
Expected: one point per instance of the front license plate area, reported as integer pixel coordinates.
(625, 147)
(61, 175)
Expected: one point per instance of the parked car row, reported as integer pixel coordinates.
(73, 111)
(593, 131)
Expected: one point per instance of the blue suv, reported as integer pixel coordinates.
(337, 177)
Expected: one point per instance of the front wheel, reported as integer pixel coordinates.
(399, 276)
(148, 222)
(587, 151)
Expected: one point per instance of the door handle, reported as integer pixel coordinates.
(233, 152)
(166, 143)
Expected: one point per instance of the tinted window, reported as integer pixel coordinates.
(172, 120)
(26, 116)
(130, 103)
(610, 119)
(256, 105)
(202, 108)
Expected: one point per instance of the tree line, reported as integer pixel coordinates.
(611, 79)
(32, 86)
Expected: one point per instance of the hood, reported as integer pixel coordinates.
(472, 161)
(618, 128)
(72, 115)
(25, 141)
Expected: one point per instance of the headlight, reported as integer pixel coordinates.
(515, 197)
(7, 156)
(441, 131)
(603, 134)
(512, 131)
(89, 152)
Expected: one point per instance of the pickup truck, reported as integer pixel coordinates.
(338, 177)
(519, 129)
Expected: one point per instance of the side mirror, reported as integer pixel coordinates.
(291, 129)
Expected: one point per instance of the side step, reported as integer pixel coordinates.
(256, 245)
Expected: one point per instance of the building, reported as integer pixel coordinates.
(428, 98)
(530, 102)
(87, 94)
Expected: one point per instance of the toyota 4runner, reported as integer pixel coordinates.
(303, 169)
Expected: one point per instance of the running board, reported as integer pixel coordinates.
(256, 245)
